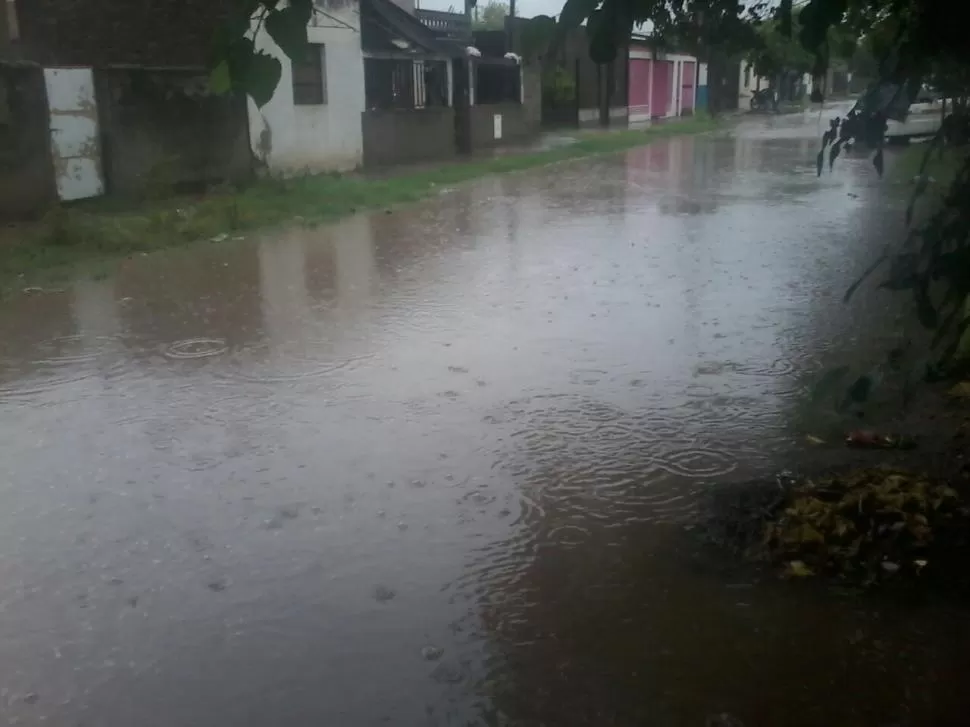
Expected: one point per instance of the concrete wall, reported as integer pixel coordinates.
(161, 132)
(591, 117)
(532, 93)
(515, 124)
(399, 136)
(26, 171)
(292, 139)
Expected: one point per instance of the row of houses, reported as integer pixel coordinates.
(105, 97)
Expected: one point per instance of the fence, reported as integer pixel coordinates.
(405, 84)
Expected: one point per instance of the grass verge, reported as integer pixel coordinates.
(941, 168)
(91, 237)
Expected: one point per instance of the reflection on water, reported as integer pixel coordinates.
(430, 467)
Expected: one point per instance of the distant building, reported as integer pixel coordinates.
(663, 85)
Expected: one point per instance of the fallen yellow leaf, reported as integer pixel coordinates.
(812, 439)
(961, 390)
(798, 569)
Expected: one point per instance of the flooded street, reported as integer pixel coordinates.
(432, 466)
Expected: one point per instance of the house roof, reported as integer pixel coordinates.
(386, 27)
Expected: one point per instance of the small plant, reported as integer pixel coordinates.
(161, 179)
(59, 229)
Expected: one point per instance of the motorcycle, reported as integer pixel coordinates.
(764, 100)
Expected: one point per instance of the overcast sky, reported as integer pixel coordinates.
(523, 8)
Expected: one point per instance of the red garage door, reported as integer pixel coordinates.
(639, 91)
(663, 83)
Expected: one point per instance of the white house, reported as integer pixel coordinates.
(748, 83)
(312, 122)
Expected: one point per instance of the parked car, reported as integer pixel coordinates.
(924, 119)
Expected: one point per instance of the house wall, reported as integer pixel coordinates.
(400, 136)
(700, 99)
(26, 170)
(161, 131)
(754, 82)
(292, 139)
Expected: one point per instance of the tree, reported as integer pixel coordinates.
(778, 53)
(717, 31)
(238, 66)
(491, 16)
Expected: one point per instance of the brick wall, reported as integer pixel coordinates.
(106, 32)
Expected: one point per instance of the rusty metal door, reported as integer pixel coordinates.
(75, 143)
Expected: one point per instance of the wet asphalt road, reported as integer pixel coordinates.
(431, 467)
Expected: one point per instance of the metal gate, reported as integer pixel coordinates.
(75, 146)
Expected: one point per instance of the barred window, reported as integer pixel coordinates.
(310, 77)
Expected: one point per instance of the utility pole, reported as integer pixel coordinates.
(510, 27)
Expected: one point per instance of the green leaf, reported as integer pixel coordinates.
(798, 569)
(261, 76)
(925, 311)
(574, 12)
(861, 389)
(220, 80)
(834, 153)
(288, 28)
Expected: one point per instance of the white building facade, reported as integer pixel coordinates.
(313, 121)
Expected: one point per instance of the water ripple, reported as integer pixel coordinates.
(191, 348)
(58, 362)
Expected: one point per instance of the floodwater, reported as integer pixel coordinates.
(432, 466)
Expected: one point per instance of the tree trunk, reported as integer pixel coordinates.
(606, 92)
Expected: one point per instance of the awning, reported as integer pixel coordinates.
(386, 27)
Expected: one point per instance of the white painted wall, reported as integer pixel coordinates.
(75, 137)
(746, 92)
(320, 138)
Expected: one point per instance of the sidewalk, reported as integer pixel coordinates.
(90, 234)
(550, 141)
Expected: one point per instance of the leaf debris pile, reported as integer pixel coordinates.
(868, 526)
